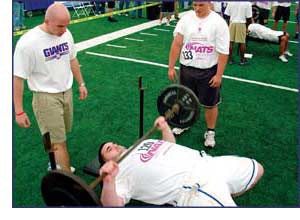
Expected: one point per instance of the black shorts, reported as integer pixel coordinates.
(198, 81)
(263, 15)
(283, 12)
(111, 4)
(167, 6)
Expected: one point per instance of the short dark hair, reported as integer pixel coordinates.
(100, 157)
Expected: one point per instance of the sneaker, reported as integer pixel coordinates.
(283, 58)
(59, 168)
(230, 62)
(244, 62)
(179, 131)
(168, 24)
(296, 36)
(209, 137)
(111, 19)
(288, 53)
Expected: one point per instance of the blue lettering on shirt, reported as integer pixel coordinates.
(56, 52)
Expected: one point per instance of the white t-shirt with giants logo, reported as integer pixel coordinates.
(44, 60)
(203, 39)
(155, 171)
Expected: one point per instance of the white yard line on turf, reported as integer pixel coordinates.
(149, 34)
(166, 66)
(113, 45)
(295, 42)
(160, 29)
(292, 22)
(133, 39)
(114, 35)
(118, 34)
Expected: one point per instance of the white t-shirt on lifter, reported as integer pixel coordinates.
(203, 39)
(239, 11)
(44, 60)
(155, 172)
(261, 32)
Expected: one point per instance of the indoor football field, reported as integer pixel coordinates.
(258, 116)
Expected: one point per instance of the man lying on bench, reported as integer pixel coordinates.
(258, 31)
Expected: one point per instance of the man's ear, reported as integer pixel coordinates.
(46, 21)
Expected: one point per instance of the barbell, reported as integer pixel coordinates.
(180, 107)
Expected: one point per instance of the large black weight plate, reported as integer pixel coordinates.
(61, 188)
(187, 101)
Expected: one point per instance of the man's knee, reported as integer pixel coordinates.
(260, 173)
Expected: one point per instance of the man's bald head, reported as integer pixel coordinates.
(57, 11)
(57, 18)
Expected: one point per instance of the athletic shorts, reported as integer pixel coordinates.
(54, 113)
(237, 32)
(111, 4)
(167, 7)
(263, 15)
(198, 81)
(282, 12)
(215, 179)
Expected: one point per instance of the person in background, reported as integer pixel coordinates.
(45, 56)
(99, 7)
(264, 11)
(168, 9)
(281, 10)
(297, 19)
(240, 14)
(138, 12)
(259, 31)
(110, 9)
(18, 15)
(121, 6)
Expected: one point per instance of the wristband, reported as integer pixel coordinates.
(19, 114)
(82, 84)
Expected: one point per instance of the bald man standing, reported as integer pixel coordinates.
(46, 57)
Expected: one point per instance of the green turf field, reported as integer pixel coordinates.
(255, 120)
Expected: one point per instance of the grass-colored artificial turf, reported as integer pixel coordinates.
(254, 121)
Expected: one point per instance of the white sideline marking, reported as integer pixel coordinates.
(142, 33)
(166, 66)
(133, 39)
(118, 34)
(127, 59)
(114, 35)
(118, 46)
(292, 22)
(295, 42)
(172, 25)
(160, 29)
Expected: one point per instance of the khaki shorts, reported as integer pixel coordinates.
(54, 113)
(237, 32)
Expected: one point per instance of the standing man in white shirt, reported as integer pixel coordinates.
(201, 39)
(240, 15)
(281, 10)
(46, 57)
